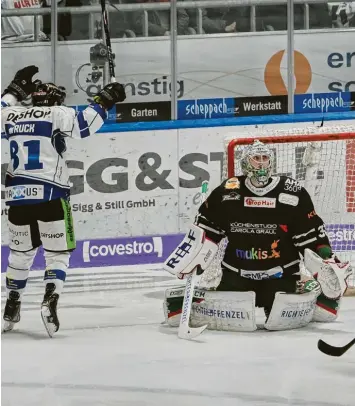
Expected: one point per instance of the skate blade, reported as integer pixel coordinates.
(50, 327)
(8, 326)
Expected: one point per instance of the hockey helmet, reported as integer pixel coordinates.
(48, 94)
(257, 162)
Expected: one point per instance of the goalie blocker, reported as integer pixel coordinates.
(289, 303)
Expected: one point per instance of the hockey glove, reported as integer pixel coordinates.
(58, 142)
(110, 95)
(22, 84)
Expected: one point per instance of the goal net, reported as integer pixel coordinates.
(322, 159)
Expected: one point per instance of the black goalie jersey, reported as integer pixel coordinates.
(267, 228)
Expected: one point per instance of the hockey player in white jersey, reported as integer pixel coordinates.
(37, 184)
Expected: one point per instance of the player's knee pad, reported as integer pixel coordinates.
(291, 311)
(20, 238)
(57, 235)
(57, 264)
(18, 269)
(227, 311)
(326, 309)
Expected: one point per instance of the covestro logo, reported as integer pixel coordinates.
(154, 246)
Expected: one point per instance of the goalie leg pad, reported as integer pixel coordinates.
(224, 311)
(291, 311)
(326, 309)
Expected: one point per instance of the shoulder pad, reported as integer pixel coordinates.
(232, 183)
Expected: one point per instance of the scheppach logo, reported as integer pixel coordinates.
(274, 81)
(265, 202)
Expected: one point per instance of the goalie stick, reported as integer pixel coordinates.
(185, 331)
(332, 350)
(111, 66)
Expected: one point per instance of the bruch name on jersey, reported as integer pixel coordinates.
(22, 128)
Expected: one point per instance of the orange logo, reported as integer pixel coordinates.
(274, 252)
(312, 214)
(273, 77)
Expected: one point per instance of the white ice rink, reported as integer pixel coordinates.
(112, 350)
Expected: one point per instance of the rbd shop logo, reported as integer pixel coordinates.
(90, 81)
(117, 250)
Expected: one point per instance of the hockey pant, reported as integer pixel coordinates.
(47, 224)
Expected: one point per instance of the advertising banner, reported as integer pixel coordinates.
(113, 251)
(324, 102)
(149, 182)
(213, 66)
(136, 112)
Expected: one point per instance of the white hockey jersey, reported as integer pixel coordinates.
(36, 171)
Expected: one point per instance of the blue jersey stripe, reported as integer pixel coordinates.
(3, 104)
(83, 125)
(99, 110)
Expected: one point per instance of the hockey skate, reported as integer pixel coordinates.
(12, 311)
(49, 310)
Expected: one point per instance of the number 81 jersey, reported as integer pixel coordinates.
(37, 169)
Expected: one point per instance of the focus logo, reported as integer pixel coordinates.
(265, 202)
(274, 81)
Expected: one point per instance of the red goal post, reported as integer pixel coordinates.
(322, 159)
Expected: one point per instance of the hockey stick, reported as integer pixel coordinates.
(332, 350)
(111, 66)
(185, 331)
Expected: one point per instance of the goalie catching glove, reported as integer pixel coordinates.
(195, 250)
(331, 274)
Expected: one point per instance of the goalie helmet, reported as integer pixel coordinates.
(48, 94)
(257, 162)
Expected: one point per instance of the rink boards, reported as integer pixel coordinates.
(135, 193)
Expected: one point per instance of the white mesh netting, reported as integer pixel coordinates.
(322, 159)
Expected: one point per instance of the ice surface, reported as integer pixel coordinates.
(113, 350)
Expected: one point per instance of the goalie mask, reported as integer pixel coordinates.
(48, 94)
(257, 162)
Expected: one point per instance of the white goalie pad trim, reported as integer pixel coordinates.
(223, 311)
(194, 250)
(291, 311)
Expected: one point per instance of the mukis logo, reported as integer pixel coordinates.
(258, 253)
(266, 202)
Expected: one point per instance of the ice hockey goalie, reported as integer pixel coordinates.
(273, 231)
